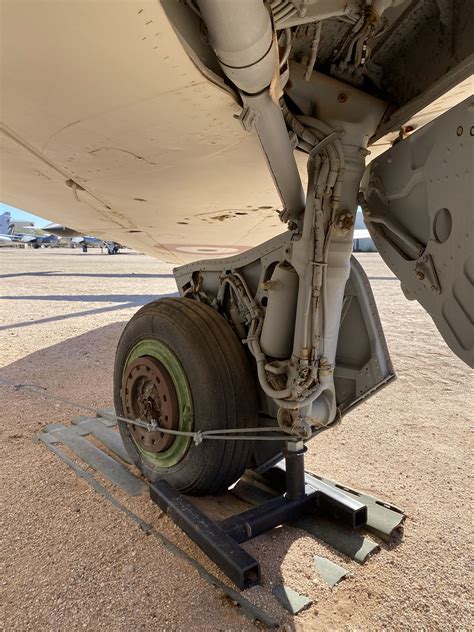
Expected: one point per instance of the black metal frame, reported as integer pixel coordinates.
(221, 540)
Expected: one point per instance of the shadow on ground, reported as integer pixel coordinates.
(124, 301)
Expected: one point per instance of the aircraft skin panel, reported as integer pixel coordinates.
(103, 93)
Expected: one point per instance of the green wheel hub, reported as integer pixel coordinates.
(179, 446)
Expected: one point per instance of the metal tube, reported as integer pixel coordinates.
(268, 515)
(241, 35)
(334, 503)
(295, 474)
(286, 53)
(273, 135)
(222, 549)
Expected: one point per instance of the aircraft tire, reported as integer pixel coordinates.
(193, 350)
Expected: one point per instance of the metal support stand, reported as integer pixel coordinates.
(221, 540)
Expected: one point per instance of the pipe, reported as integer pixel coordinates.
(241, 35)
(287, 51)
(314, 52)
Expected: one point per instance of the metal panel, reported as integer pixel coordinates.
(110, 438)
(383, 519)
(330, 572)
(419, 211)
(114, 471)
(290, 599)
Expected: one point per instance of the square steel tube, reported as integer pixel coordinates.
(268, 515)
(334, 503)
(220, 547)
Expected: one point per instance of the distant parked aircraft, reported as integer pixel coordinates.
(5, 219)
(5, 237)
(86, 241)
(9, 234)
(77, 239)
(5, 240)
(36, 241)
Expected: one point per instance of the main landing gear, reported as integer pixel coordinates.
(285, 336)
(271, 347)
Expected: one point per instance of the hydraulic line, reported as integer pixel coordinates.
(287, 51)
(314, 52)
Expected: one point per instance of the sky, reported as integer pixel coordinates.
(23, 215)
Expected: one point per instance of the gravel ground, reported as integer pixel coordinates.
(71, 561)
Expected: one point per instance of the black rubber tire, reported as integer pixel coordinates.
(221, 384)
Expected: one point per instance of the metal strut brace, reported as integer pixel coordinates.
(221, 540)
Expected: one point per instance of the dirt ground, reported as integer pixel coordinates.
(71, 561)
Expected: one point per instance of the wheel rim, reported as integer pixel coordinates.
(154, 386)
(148, 394)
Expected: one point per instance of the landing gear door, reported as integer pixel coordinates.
(418, 206)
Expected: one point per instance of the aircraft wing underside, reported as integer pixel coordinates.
(110, 128)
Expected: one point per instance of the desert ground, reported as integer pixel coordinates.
(71, 561)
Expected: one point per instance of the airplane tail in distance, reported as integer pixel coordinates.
(5, 220)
